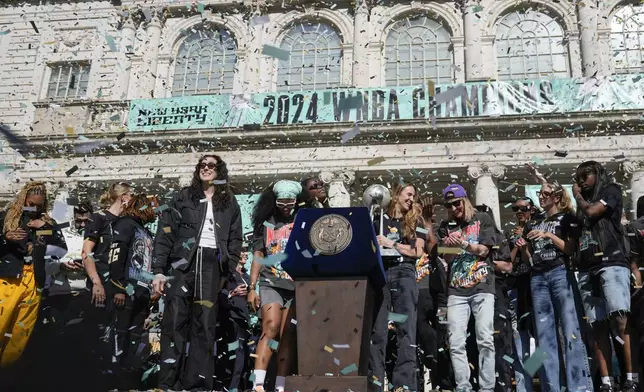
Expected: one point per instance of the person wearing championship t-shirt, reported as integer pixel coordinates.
(403, 230)
(273, 219)
(548, 244)
(471, 285)
(604, 271)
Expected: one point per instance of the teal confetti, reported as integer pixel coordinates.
(269, 225)
(201, 8)
(397, 318)
(349, 369)
(110, 42)
(273, 259)
(508, 359)
(4, 32)
(273, 344)
(233, 346)
(161, 208)
(477, 8)
(147, 373)
(275, 52)
(129, 289)
(534, 363)
(421, 230)
(538, 161)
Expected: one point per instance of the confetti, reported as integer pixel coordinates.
(260, 20)
(233, 346)
(349, 369)
(205, 303)
(4, 32)
(273, 259)
(355, 131)
(273, 344)
(534, 363)
(375, 161)
(277, 53)
(397, 318)
(328, 349)
(508, 359)
(71, 171)
(44, 232)
(111, 43)
(33, 25)
(269, 225)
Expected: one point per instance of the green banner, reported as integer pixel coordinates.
(388, 104)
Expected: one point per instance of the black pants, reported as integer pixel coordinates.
(400, 295)
(61, 354)
(444, 376)
(188, 327)
(129, 341)
(231, 367)
(503, 340)
(426, 334)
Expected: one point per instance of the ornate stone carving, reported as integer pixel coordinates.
(338, 182)
(631, 167)
(494, 171)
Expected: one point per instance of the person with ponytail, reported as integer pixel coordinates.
(98, 236)
(548, 244)
(198, 241)
(604, 271)
(403, 230)
(29, 238)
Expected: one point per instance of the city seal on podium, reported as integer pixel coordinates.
(330, 234)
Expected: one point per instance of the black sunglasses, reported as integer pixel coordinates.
(450, 204)
(315, 186)
(208, 165)
(522, 208)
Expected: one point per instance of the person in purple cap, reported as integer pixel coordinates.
(470, 285)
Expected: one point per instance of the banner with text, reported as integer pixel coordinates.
(388, 104)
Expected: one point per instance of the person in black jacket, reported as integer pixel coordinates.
(29, 238)
(130, 266)
(199, 235)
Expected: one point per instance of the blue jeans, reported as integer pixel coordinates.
(458, 315)
(400, 295)
(553, 300)
(612, 293)
(521, 348)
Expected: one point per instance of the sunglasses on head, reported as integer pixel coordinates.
(209, 165)
(522, 208)
(450, 204)
(283, 205)
(315, 186)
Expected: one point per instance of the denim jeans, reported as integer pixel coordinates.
(458, 314)
(399, 295)
(521, 348)
(553, 299)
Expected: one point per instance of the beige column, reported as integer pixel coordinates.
(124, 60)
(360, 48)
(151, 54)
(486, 190)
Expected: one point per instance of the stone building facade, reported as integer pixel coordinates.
(430, 92)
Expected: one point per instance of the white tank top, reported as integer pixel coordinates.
(208, 237)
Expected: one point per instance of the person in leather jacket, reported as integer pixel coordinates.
(198, 241)
(29, 238)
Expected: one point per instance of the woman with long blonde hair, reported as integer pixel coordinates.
(28, 235)
(549, 243)
(403, 231)
(98, 236)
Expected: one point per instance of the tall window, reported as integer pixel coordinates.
(205, 63)
(417, 49)
(68, 81)
(530, 45)
(627, 39)
(316, 57)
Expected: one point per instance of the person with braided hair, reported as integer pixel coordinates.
(29, 236)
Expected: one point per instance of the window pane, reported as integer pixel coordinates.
(530, 45)
(412, 49)
(627, 39)
(316, 57)
(68, 81)
(206, 55)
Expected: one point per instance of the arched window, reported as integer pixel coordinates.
(316, 57)
(205, 63)
(418, 49)
(627, 39)
(530, 44)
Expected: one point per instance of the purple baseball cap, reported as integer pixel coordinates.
(454, 191)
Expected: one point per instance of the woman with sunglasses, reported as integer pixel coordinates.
(313, 194)
(548, 244)
(198, 240)
(404, 231)
(272, 224)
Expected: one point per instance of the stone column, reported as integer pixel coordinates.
(252, 64)
(635, 170)
(588, 14)
(337, 187)
(126, 50)
(472, 29)
(486, 190)
(151, 54)
(360, 48)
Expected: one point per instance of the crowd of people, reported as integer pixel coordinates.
(103, 303)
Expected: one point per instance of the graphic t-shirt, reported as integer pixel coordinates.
(271, 238)
(635, 232)
(470, 274)
(131, 253)
(99, 231)
(500, 252)
(392, 229)
(594, 254)
(545, 255)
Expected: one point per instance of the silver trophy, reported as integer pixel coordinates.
(377, 198)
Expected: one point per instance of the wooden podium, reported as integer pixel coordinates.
(334, 303)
